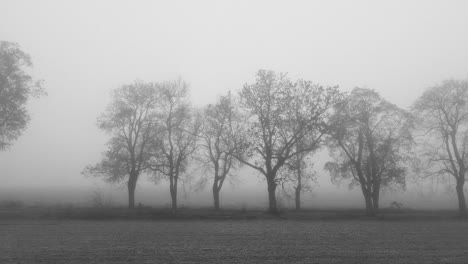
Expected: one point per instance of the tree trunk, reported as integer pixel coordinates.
(375, 203)
(375, 198)
(368, 200)
(298, 198)
(369, 206)
(271, 196)
(173, 190)
(131, 185)
(174, 200)
(216, 195)
(461, 199)
(299, 181)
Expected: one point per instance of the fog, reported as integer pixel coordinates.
(84, 49)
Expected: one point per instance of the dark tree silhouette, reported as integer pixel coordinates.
(130, 120)
(177, 135)
(279, 114)
(368, 142)
(442, 114)
(215, 151)
(16, 87)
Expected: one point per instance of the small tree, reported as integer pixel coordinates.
(279, 114)
(16, 87)
(368, 142)
(177, 135)
(442, 114)
(129, 119)
(297, 174)
(216, 153)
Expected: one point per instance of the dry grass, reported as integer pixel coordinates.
(233, 241)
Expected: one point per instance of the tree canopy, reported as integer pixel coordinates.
(279, 114)
(17, 86)
(442, 113)
(369, 137)
(129, 119)
(215, 144)
(177, 134)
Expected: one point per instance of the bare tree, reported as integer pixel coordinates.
(279, 114)
(16, 87)
(129, 119)
(442, 113)
(177, 135)
(368, 143)
(297, 174)
(215, 152)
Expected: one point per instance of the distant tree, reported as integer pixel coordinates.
(442, 114)
(16, 87)
(368, 143)
(215, 148)
(298, 175)
(177, 135)
(129, 119)
(279, 114)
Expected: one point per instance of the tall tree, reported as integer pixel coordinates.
(279, 114)
(216, 153)
(130, 120)
(368, 142)
(442, 113)
(177, 135)
(16, 87)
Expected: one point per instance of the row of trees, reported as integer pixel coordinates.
(374, 143)
(274, 126)
(269, 127)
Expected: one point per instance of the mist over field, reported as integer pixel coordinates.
(233, 131)
(83, 50)
(248, 193)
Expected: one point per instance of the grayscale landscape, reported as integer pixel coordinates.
(233, 131)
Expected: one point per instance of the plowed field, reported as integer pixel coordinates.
(233, 241)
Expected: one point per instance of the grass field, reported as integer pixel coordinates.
(233, 241)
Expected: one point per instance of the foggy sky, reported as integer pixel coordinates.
(84, 49)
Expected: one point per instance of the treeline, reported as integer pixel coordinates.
(274, 126)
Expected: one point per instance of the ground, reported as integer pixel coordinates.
(234, 241)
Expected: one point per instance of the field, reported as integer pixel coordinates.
(234, 241)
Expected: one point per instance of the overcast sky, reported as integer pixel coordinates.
(84, 49)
